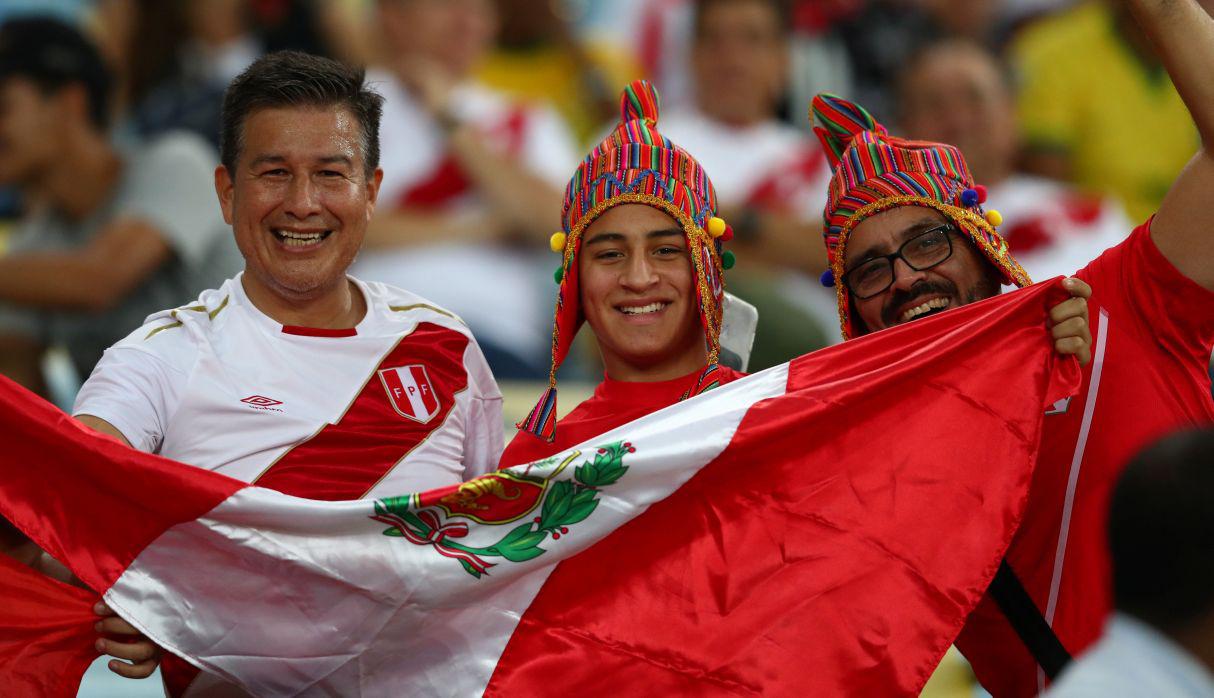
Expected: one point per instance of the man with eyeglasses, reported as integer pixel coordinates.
(907, 236)
(928, 244)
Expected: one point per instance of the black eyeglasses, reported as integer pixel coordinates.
(924, 251)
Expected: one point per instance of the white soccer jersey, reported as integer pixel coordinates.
(401, 403)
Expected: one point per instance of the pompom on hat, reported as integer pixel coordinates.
(874, 172)
(635, 164)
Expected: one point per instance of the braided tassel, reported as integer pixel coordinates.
(708, 380)
(541, 421)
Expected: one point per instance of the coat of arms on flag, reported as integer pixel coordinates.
(410, 392)
(500, 498)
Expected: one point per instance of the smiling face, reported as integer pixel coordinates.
(638, 294)
(961, 279)
(298, 201)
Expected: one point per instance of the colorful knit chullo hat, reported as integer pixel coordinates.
(874, 172)
(635, 164)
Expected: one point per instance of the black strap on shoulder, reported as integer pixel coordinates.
(1028, 622)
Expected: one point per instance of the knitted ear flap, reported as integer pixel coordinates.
(841, 122)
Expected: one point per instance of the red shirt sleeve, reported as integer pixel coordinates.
(1135, 281)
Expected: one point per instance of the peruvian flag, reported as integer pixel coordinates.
(820, 528)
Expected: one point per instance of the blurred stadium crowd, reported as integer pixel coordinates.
(488, 106)
(108, 210)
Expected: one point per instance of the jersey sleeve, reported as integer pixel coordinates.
(133, 390)
(1135, 280)
(483, 437)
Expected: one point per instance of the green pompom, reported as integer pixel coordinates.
(559, 274)
(728, 260)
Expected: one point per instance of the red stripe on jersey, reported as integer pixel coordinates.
(445, 183)
(448, 180)
(345, 459)
(318, 331)
(777, 191)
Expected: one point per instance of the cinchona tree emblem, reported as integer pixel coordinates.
(501, 498)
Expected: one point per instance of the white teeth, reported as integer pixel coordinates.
(641, 310)
(918, 310)
(294, 239)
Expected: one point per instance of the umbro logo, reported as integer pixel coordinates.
(261, 402)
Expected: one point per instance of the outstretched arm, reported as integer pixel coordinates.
(1183, 34)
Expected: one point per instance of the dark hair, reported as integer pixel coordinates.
(53, 55)
(295, 79)
(780, 8)
(1161, 531)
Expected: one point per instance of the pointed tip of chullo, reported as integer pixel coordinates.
(837, 121)
(639, 101)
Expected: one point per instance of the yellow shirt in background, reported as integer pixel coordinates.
(1087, 94)
(549, 74)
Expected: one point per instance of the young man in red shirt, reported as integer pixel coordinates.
(907, 236)
(642, 263)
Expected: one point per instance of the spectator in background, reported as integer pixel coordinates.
(108, 236)
(468, 175)
(957, 92)
(1097, 107)
(539, 58)
(1160, 640)
(175, 58)
(877, 37)
(180, 56)
(770, 177)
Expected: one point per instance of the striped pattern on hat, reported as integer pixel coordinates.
(635, 158)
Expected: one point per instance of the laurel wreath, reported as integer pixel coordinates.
(566, 503)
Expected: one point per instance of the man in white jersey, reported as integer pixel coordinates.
(293, 375)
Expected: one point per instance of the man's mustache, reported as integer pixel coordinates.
(890, 313)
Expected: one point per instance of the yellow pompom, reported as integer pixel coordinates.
(557, 242)
(994, 217)
(716, 227)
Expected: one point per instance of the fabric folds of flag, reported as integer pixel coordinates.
(823, 527)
